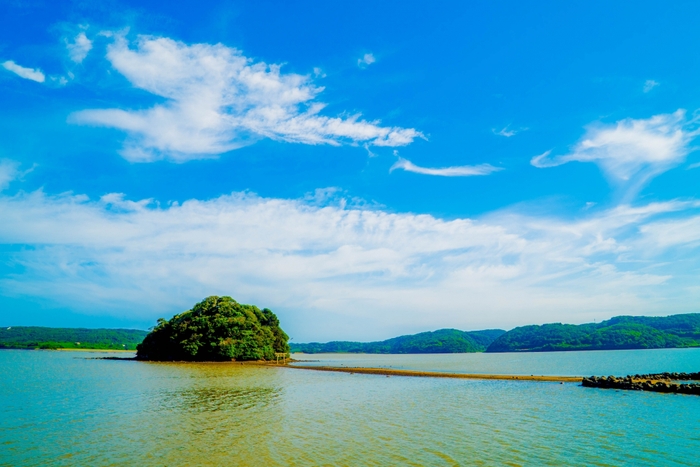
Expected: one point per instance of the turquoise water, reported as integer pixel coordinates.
(599, 362)
(61, 408)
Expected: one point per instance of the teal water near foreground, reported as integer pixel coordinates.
(65, 409)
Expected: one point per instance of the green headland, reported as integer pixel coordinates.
(35, 337)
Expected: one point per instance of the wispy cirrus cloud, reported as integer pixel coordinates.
(682, 233)
(218, 100)
(455, 171)
(649, 85)
(507, 131)
(33, 74)
(631, 152)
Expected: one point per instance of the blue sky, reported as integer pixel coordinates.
(364, 169)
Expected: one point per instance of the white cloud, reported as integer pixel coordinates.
(673, 233)
(8, 172)
(630, 152)
(218, 100)
(505, 132)
(366, 60)
(334, 271)
(456, 171)
(650, 84)
(79, 47)
(26, 73)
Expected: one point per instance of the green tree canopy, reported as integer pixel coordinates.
(216, 329)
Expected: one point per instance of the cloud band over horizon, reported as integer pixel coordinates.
(336, 263)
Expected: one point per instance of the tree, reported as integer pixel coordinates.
(216, 329)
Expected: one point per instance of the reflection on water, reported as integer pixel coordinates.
(215, 399)
(57, 408)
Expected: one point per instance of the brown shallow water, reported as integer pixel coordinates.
(59, 408)
(439, 374)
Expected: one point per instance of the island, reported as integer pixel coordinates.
(216, 329)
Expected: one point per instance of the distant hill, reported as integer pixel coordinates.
(621, 332)
(441, 341)
(33, 337)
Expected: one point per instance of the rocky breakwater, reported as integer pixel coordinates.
(656, 382)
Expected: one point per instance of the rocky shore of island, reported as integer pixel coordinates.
(654, 382)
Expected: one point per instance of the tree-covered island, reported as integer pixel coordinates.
(216, 329)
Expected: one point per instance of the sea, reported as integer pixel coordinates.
(75, 409)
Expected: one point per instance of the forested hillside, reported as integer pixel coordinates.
(34, 337)
(621, 332)
(441, 341)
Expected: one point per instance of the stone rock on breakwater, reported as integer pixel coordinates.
(657, 382)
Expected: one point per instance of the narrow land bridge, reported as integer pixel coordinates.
(438, 374)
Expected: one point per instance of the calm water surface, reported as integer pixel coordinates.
(61, 408)
(603, 362)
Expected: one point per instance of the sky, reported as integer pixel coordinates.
(364, 169)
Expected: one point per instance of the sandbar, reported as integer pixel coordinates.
(438, 374)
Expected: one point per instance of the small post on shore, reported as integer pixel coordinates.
(280, 354)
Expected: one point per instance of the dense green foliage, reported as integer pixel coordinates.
(216, 329)
(442, 341)
(34, 337)
(621, 332)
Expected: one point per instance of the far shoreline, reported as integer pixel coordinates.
(68, 350)
(91, 350)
